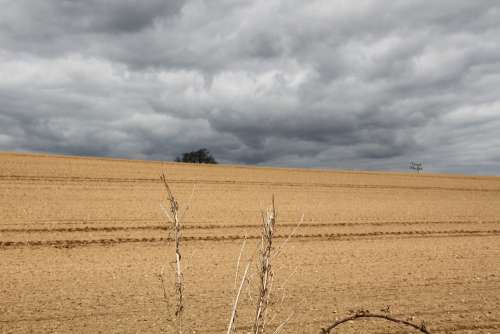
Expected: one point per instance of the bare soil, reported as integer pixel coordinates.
(82, 241)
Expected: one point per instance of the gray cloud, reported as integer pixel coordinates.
(367, 85)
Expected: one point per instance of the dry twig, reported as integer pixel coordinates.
(238, 263)
(232, 320)
(367, 314)
(281, 247)
(165, 295)
(283, 324)
(188, 204)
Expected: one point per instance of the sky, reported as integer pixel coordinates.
(364, 85)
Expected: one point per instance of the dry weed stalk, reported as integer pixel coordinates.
(265, 274)
(283, 324)
(174, 220)
(281, 248)
(234, 310)
(367, 314)
(265, 270)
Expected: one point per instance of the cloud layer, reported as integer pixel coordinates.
(332, 84)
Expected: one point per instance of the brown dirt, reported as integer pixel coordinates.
(82, 241)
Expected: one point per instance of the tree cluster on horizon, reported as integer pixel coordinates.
(201, 156)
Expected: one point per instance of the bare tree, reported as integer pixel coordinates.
(417, 166)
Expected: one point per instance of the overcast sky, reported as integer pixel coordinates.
(330, 84)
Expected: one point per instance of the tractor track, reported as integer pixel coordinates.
(165, 227)
(332, 236)
(79, 180)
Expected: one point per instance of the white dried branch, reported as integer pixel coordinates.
(232, 320)
(174, 219)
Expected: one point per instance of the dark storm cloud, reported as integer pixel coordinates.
(55, 18)
(367, 84)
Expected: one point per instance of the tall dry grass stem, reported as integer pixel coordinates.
(175, 221)
(234, 310)
(281, 247)
(265, 269)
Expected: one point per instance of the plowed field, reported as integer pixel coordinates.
(82, 242)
